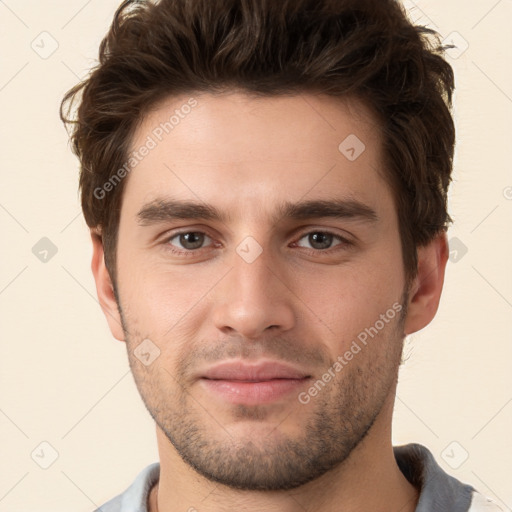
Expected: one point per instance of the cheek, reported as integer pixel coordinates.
(348, 299)
(159, 297)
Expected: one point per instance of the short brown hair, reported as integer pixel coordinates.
(362, 48)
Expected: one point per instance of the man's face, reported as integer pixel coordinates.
(263, 283)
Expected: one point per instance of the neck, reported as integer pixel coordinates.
(369, 479)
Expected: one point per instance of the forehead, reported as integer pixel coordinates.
(256, 151)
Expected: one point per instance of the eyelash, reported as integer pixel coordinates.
(343, 245)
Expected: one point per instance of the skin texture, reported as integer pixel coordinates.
(299, 302)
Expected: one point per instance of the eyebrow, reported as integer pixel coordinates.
(168, 209)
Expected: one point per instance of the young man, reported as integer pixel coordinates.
(266, 184)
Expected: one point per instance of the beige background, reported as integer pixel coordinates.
(65, 381)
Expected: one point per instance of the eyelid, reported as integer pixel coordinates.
(172, 232)
(345, 238)
(334, 235)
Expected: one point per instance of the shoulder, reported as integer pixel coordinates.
(134, 498)
(439, 491)
(479, 503)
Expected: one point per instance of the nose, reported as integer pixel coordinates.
(252, 298)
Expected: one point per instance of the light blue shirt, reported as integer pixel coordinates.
(439, 492)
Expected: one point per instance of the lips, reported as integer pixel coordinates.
(237, 382)
(262, 371)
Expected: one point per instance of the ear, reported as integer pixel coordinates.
(104, 287)
(425, 291)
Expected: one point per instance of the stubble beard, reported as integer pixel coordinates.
(340, 417)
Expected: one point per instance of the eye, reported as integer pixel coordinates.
(189, 240)
(321, 240)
